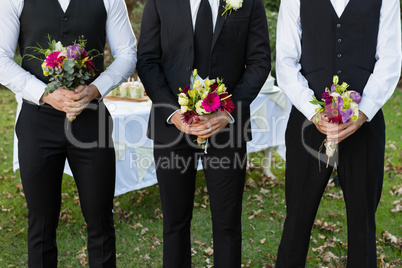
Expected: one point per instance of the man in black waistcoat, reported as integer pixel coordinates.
(360, 42)
(237, 51)
(44, 142)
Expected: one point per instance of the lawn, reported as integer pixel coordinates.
(138, 216)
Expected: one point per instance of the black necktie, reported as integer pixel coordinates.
(203, 39)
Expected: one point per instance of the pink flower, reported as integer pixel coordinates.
(212, 102)
(54, 61)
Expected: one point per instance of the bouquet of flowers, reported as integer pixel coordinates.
(340, 106)
(203, 98)
(68, 66)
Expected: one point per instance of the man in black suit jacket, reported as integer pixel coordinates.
(240, 55)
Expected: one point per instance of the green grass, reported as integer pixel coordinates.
(139, 224)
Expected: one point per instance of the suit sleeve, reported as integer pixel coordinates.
(258, 59)
(149, 61)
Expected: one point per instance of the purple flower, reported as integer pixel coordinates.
(339, 103)
(356, 97)
(74, 51)
(346, 115)
(327, 98)
(333, 87)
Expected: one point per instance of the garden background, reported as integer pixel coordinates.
(138, 216)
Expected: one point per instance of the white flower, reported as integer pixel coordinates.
(232, 5)
(183, 100)
(58, 46)
(197, 85)
(235, 4)
(63, 52)
(184, 109)
(199, 109)
(355, 108)
(335, 94)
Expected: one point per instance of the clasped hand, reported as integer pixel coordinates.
(72, 102)
(207, 126)
(338, 132)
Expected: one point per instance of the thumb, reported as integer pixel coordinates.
(80, 88)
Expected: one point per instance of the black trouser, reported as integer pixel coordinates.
(44, 143)
(224, 170)
(360, 164)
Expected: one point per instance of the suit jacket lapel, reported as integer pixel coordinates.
(220, 21)
(185, 14)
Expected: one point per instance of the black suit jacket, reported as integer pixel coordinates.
(240, 54)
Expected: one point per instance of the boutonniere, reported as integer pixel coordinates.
(232, 5)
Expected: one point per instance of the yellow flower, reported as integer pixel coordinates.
(44, 68)
(344, 86)
(208, 82)
(197, 85)
(346, 103)
(335, 80)
(221, 88)
(192, 93)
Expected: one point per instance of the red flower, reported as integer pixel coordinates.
(226, 103)
(185, 89)
(213, 87)
(189, 116)
(333, 114)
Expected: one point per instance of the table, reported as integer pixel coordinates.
(135, 168)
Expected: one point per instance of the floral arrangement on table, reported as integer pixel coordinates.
(340, 106)
(67, 67)
(201, 98)
(232, 5)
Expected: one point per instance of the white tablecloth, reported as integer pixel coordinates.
(135, 167)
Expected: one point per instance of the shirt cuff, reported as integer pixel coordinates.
(168, 119)
(369, 108)
(232, 119)
(33, 91)
(308, 110)
(104, 84)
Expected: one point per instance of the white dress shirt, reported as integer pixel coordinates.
(119, 35)
(381, 83)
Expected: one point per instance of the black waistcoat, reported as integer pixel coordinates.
(42, 17)
(344, 46)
